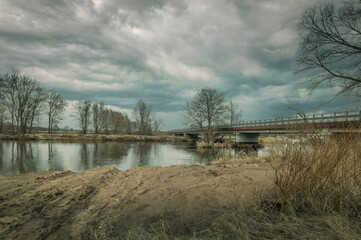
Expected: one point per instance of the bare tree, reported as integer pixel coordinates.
(192, 116)
(8, 86)
(2, 118)
(234, 113)
(55, 107)
(26, 86)
(120, 123)
(157, 123)
(129, 125)
(38, 97)
(101, 117)
(105, 117)
(22, 96)
(330, 46)
(83, 114)
(142, 115)
(207, 111)
(96, 113)
(295, 106)
(117, 122)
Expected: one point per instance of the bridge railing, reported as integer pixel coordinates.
(309, 118)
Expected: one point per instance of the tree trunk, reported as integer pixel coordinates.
(49, 125)
(31, 124)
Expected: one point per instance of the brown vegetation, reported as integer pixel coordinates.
(204, 144)
(321, 173)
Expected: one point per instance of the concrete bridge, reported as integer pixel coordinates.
(249, 131)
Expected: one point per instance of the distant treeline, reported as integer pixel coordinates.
(101, 119)
(23, 103)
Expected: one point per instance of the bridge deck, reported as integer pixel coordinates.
(331, 120)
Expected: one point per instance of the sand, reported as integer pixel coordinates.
(68, 205)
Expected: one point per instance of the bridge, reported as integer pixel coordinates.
(249, 131)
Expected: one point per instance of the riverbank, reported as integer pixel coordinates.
(105, 202)
(230, 143)
(72, 137)
(304, 190)
(219, 201)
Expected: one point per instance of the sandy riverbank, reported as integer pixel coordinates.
(103, 201)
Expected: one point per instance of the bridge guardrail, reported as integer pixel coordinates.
(310, 118)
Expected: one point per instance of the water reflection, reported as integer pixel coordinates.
(21, 157)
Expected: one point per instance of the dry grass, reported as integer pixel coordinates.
(318, 195)
(259, 221)
(322, 174)
(243, 158)
(203, 144)
(268, 141)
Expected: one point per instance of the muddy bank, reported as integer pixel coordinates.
(93, 137)
(63, 205)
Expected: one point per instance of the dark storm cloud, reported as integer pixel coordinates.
(162, 51)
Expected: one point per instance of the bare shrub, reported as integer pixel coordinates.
(321, 173)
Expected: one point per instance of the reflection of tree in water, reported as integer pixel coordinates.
(142, 152)
(54, 158)
(50, 151)
(8, 162)
(103, 153)
(24, 157)
(118, 150)
(84, 156)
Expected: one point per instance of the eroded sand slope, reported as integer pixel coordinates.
(62, 205)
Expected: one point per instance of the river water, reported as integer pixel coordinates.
(22, 157)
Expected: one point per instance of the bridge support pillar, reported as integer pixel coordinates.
(247, 138)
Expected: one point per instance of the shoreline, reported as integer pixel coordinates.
(65, 204)
(72, 137)
(225, 200)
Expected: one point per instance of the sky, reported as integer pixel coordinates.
(163, 52)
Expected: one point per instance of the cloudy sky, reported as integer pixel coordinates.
(162, 51)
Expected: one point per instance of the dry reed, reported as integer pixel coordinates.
(321, 172)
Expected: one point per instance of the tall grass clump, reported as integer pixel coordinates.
(320, 173)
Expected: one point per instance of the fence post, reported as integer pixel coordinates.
(346, 116)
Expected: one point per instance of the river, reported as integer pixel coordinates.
(22, 157)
